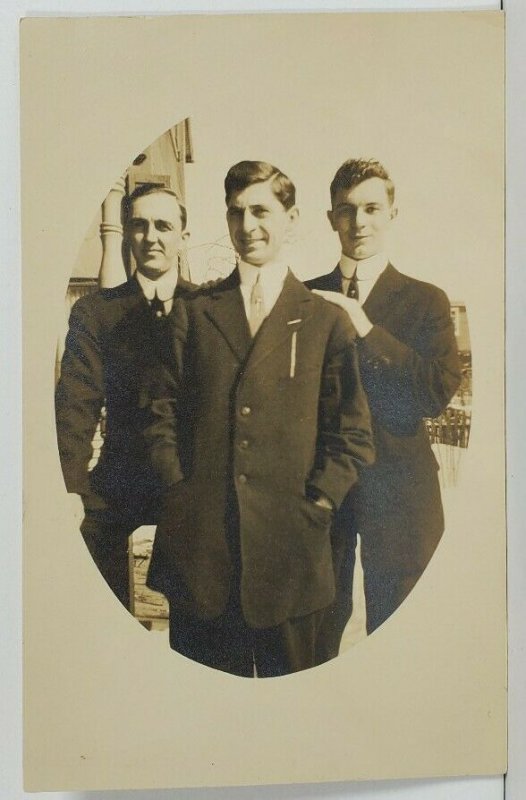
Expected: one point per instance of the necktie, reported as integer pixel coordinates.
(157, 306)
(352, 290)
(257, 308)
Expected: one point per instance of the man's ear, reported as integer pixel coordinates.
(394, 212)
(185, 235)
(293, 215)
(330, 217)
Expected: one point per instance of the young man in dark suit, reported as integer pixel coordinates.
(276, 425)
(115, 337)
(410, 370)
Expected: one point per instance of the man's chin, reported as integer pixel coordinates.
(359, 253)
(152, 271)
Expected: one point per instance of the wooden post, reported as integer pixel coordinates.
(112, 271)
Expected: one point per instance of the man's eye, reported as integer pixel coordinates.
(371, 209)
(163, 226)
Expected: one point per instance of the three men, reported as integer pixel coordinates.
(115, 337)
(276, 425)
(261, 422)
(410, 370)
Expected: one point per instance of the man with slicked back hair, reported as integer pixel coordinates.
(410, 370)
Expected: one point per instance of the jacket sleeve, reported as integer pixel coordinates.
(164, 398)
(406, 381)
(79, 395)
(345, 439)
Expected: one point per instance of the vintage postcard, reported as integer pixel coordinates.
(264, 519)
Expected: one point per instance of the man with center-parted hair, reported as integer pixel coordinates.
(410, 370)
(116, 336)
(265, 386)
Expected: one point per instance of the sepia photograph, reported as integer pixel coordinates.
(135, 393)
(256, 385)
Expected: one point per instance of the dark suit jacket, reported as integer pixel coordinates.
(113, 341)
(410, 370)
(271, 420)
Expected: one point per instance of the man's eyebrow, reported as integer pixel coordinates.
(155, 221)
(357, 205)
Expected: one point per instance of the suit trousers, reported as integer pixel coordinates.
(398, 540)
(336, 616)
(106, 528)
(227, 643)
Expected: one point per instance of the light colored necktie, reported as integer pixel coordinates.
(257, 307)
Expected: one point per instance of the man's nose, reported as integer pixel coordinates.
(150, 233)
(360, 218)
(248, 220)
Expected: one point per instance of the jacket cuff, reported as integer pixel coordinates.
(380, 348)
(77, 481)
(332, 485)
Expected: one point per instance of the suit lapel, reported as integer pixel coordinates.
(133, 305)
(184, 288)
(288, 315)
(227, 312)
(333, 281)
(383, 293)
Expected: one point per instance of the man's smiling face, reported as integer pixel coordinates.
(361, 217)
(258, 223)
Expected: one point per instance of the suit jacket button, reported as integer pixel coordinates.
(242, 478)
(245, 411)
(243, 444)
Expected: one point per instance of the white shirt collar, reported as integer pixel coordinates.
(271, 274)
(164, 285)
(271, 278)
(367, 269)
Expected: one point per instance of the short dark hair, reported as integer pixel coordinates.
(356, 170)
(245, 173)
(144, 189)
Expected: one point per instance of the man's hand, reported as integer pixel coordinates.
(323, 502)
(358, 317)
(318, 498)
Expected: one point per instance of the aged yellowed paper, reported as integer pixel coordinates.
(108, 705)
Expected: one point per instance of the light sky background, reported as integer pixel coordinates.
(449, 216)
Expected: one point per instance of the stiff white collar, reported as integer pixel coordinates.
(271, 278)
(271, 274)
(367, 269)
(164, 285)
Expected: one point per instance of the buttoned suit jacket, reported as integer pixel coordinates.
(270, 420)
(410, 370)
(113, 341)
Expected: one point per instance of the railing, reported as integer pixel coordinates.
(449, 437)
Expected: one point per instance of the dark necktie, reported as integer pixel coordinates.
(352, 291)
(157, 307)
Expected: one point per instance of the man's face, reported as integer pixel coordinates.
(361, 217)
(155, 233)
(258, 223)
